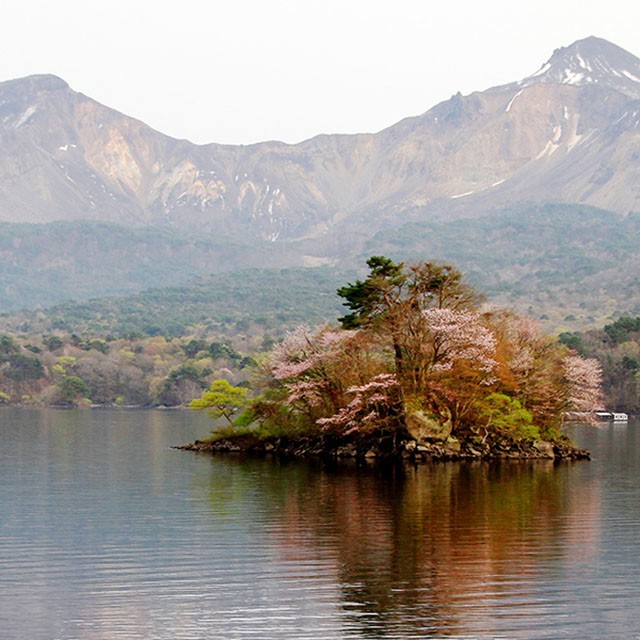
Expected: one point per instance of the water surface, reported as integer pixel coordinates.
(106, 532)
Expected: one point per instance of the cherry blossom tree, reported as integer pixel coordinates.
(390, 301)
(454, 335)
(532, 371)
(584, 383)
(314, 369)
(450, 361)
(374, 406)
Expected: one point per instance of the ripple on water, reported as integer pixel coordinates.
(107, 533)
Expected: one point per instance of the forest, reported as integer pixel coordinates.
(557, 263)
(67, 370)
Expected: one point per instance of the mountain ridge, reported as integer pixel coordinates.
(65, 156)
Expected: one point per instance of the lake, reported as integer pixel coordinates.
(108, 533)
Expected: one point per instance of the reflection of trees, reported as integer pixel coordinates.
(416, 546)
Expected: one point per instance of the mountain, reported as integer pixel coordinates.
(568, 133)
(95, 203)
(591, 61)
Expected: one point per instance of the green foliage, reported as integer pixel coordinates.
(22, 368)
(187, 372)
(8, 346)
(620, 330)
(629, 363)
(194, 346)
(222, 400)
(53, 343)
(573, 340)
(223, 350)
(71, 389)
(367, 298)
(96, 343)
(229, 431)
(500, 412)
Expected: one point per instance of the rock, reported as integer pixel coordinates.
(348, 451)
(545, 448)
(422, 427)
(399, 447)
(452, 444)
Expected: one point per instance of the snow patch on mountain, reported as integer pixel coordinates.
(24, 118)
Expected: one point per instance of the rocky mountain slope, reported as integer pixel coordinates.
(569, 133)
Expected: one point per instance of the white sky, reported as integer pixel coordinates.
(243, 71)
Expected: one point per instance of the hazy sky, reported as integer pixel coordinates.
(243, 71)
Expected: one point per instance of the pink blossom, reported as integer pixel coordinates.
(584, 380)
(301, 350)
(368, 408)
(525, 338)
(309, 392)
(458, 335)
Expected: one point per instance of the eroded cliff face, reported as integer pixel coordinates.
(568, 133)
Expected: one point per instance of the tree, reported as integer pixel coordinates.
(392, 290)
(24, 368)
(374, 406)
(194, 346)
(71, 389)
(584, 382)
(222, 400)
(8, 347)
(53, 343)
(313, 369)
(417, 354)
(391, 302)
(374, 297)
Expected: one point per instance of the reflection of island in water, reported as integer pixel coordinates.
(439, 548)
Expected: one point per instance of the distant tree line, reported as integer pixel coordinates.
(69, 370)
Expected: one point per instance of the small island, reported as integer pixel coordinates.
(421, 368)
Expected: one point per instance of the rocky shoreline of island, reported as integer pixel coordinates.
(488, 447)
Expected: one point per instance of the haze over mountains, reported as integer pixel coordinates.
(569, 135)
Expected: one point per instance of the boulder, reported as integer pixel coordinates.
(452, 444)
(545, 448)
(422, 427)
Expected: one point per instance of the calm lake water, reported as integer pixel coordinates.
(106, 532)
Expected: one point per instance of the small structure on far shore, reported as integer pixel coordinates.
(609, 416)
